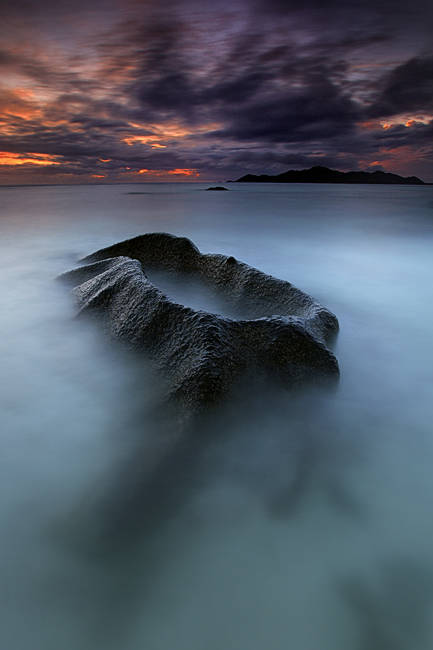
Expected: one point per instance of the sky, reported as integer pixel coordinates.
(108, 91)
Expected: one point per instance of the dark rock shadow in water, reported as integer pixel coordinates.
(165, 469)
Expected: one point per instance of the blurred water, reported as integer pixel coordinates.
(297, 521)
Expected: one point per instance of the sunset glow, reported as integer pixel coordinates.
(184, 172)
(407, 121)
(161, 93)
(143, 139)
(170, 172)
(13, 159)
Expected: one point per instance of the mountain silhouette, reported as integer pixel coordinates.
(325, 175)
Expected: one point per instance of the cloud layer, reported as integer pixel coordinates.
(201, 90)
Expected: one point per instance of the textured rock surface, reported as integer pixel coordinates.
(282, 331)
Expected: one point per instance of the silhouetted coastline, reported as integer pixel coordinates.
(325, 175)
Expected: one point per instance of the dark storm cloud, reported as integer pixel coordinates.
(408, 88)
(389, 14)
(250, 84)
(318, 111)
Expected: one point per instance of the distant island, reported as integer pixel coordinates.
(326, 175)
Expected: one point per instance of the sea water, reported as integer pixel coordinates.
(297, 521)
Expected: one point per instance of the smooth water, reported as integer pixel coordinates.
(296, 521)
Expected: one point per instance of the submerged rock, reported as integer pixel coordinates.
(281, 331)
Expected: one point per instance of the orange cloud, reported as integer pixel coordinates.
(398, 120)
(167, 131)
(98, 175)
(406, 120)
(105, 160)
(143, 139)
(173, 130)
(184, 172)
(171, 172)
(13, 159)
(17, 103)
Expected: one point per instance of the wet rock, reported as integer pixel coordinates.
(281, 332)
(217, 189)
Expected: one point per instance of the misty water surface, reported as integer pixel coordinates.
(294, 520)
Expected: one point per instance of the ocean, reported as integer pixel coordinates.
(300, 520)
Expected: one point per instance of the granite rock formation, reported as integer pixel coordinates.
(281, 331)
